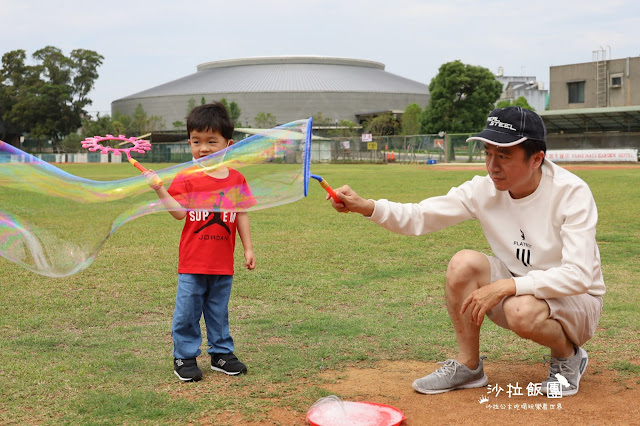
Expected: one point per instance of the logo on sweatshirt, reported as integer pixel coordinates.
(523, 250)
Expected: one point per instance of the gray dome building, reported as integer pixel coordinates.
(288, 87)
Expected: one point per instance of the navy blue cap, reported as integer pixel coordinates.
(510, 126)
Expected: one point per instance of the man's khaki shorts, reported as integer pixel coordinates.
(578, 314)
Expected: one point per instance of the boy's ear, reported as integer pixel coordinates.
(230, 142)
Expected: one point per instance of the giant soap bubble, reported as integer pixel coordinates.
(54, 223)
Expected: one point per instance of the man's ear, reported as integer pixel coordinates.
(537, 159)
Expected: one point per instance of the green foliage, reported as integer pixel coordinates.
(141, 123)
(121, 123)
(191, 104)
(179, 125)
(344, 133)
(264, 120)
(73, 142)
(521, 102)
(102, 125)
(46, 100)
(234, 111)
(383, 125)
(462, 96)
(411, 119)
(319, 119)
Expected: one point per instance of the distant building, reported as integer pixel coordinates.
(514, 87)
(594, 104)
(288, 87)
(601, 83)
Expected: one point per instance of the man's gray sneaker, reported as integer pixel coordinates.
(452, 375)
(571, 369)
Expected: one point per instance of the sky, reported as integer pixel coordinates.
(148, 43)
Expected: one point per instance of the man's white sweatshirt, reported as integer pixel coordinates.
(547, 239)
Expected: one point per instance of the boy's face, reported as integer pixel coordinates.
(207, 142)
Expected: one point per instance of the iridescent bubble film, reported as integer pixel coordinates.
(54, 223)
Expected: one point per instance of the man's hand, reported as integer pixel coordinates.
(483, 299)
(352, 202)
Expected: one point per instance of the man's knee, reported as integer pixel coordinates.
(525, 314)
(468, 266)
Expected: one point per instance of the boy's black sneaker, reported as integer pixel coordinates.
(227, 364)
(187, 369)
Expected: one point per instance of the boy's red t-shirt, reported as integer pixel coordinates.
(208, 238)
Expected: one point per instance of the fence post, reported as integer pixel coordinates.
(446, 147)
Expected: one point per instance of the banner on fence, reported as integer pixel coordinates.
(600, 155)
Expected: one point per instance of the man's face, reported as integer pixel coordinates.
(207, 142)
(511, 171)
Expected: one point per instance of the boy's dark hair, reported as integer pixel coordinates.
(533, 146)
(213, 116)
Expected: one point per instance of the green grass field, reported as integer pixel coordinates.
(330, 290)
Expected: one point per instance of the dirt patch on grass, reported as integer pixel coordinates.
(605, 397)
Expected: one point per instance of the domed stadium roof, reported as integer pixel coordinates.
(288, 74)
(337, 87)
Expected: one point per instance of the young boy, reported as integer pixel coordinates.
(205, 269)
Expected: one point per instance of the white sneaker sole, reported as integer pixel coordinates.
(228, 373)
(185, 379)
(470, 385)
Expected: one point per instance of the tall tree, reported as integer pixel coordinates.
(16, 79)
(461, 98)
(411, 119)
(85, 73)
(46, 100)
(234, 111)
(191, 104)
(383, 125)
(142, 123)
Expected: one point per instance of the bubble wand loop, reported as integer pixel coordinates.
(307, 166)
(139, 145)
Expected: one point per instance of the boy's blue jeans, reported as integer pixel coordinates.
(200, 294)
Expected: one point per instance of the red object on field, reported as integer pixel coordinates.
(356, 413)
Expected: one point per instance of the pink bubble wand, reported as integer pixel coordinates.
(140, 146)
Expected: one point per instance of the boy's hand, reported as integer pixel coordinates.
(352, 202)
(152, 179)
(249, 259)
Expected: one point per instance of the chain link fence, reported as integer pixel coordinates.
(407, 149)
(414, 149)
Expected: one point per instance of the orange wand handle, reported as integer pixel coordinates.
(157, 181)
(327, 188)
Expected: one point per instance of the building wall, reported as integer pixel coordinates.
(284, 106)
(628, 94)
(593, 140)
